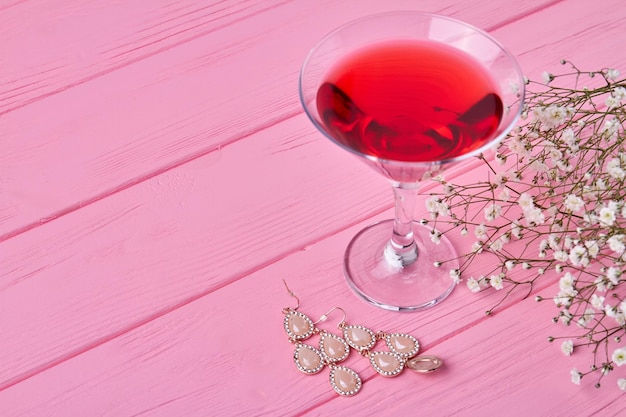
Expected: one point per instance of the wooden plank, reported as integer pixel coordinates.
(49, 47)
(128, 125)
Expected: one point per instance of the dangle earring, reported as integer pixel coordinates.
(332, 350)
(401, 350)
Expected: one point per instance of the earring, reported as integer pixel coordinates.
(401, 353)
(332, 350)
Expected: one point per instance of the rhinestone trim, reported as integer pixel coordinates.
(288, 330)
(353, 344)
(308, 371)
(378, 369)
(413, 352)
(346, 351)
(337, 389)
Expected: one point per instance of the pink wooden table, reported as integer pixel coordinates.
(158, 180)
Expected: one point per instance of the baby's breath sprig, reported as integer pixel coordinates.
(553, 204)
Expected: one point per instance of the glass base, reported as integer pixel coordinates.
(417, 286)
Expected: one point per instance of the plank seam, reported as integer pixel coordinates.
(135, 60)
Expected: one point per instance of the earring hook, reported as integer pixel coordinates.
(325, 316)
(291, 293)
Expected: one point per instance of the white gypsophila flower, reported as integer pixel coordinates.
(509, 265)
(435, 236)
(620, 319)
(622, 307)
(600, 184)
(516, 229)
(563, 299)
(614, 169)
(601, 284)
(564, 165)
(611, 103)
(567, 347)
(500, 179)
(492, 212)
(496, 282)
(593, 249)
(505, 195)
(609, 130)
(473, 284)
(514, 87)
(578, 256)
(443, 209)
(567, 282)
(516, 146)
(619, 93)
(464, 231)
(553, 241)
(552, 116)
(481, 231)
(547, 77)
(576, 376)
(555, 154)
(560, 256)
(597, 302)
(586, 317)
(496, 245)
(455, 274)
(616, 243)
(612, 74)
(477, 247)
(500, 159)
(538, 166)
(566, 316)
(606, 217)
(534, 216)
(432, 204)
(621, 383)
(574, 203)
(613, 274)
(525, 201)
(610, 310)
(619, 356)
(569, 136)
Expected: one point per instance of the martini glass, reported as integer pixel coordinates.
(410, 94)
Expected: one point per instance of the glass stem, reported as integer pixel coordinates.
(402, 249)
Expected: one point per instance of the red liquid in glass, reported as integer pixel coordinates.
(410, 101)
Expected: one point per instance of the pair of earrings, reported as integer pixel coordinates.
(333, 349)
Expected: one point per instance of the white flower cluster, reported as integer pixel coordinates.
(556, 201)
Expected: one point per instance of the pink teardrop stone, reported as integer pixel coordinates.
(298, 325)
(402, 344)
(359, 337)
(387, 362)
(345, 381)
(308, 358)
(334, 348)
